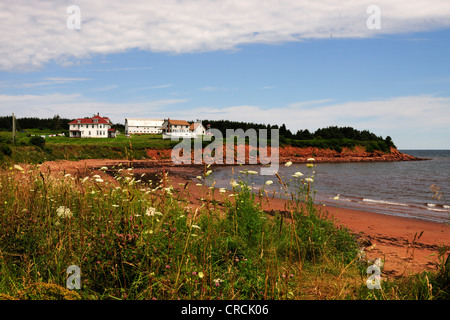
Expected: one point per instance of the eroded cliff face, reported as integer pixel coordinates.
(297, 154)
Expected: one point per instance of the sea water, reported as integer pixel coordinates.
(396, 188)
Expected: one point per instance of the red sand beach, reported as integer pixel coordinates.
(393, 239)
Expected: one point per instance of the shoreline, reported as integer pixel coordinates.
(393, 239)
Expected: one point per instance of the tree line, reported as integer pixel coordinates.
(55, 124)
(346, 135)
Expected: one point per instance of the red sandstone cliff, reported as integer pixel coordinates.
(297, 154)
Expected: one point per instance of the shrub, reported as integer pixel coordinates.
(37, 141)
(5, 149)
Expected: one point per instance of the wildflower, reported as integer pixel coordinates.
(67, 175)
(309, 165)
(201, 275)
(104, 168)
(252, 172)
(99, 180)
(199, 184)
(115, 205)
(297, 174)
(96, 176)
(196, 226)
(310, 159)
(222, 190)
(309, 180)
(150, 211)
(199, 177)
(17, 167)
(64, 212)
(269, 182)
(288, 164)
(234, 183)
(208, 173)
(217, 282)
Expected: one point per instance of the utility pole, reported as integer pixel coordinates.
(13, 127)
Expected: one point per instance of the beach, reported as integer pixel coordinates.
(406, 245)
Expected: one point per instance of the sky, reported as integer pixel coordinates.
(379, 65)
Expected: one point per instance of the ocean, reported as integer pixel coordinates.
(394, 188)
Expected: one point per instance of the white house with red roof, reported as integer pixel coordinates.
(95, 127)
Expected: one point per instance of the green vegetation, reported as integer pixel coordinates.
(143, 240)
(31, 148)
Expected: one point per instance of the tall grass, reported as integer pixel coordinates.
(144, 240)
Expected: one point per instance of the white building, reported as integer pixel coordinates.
(197, 129)
(182, 129)
(138, 125)
(95, 127)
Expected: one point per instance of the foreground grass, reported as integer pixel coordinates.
(136, 240)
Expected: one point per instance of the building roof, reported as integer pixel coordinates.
(195, 125)
(99, 119)
(178, 122)
(140, 122)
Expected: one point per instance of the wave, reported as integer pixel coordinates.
(438, 207)
(385, 202)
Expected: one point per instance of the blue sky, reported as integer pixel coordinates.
(260, 61)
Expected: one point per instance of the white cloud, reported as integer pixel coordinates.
(35, 33)
(46, 82)
(76, 105)
(412, 121)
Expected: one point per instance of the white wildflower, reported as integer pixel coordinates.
(196, 226)
(297, 174)
(104, 168)
(96, 176)
(64, 212)
(288, 164)
(67, 175)
(199, 177)
(99, 180)
(208, 173)
(252, 172)
(269, 182)
(152, 212)
(310, 159)
(222, 190)
(17, 167)
(234, 183)
(309, 180)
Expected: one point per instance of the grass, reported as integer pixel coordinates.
(143, 240)
(58, 147)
